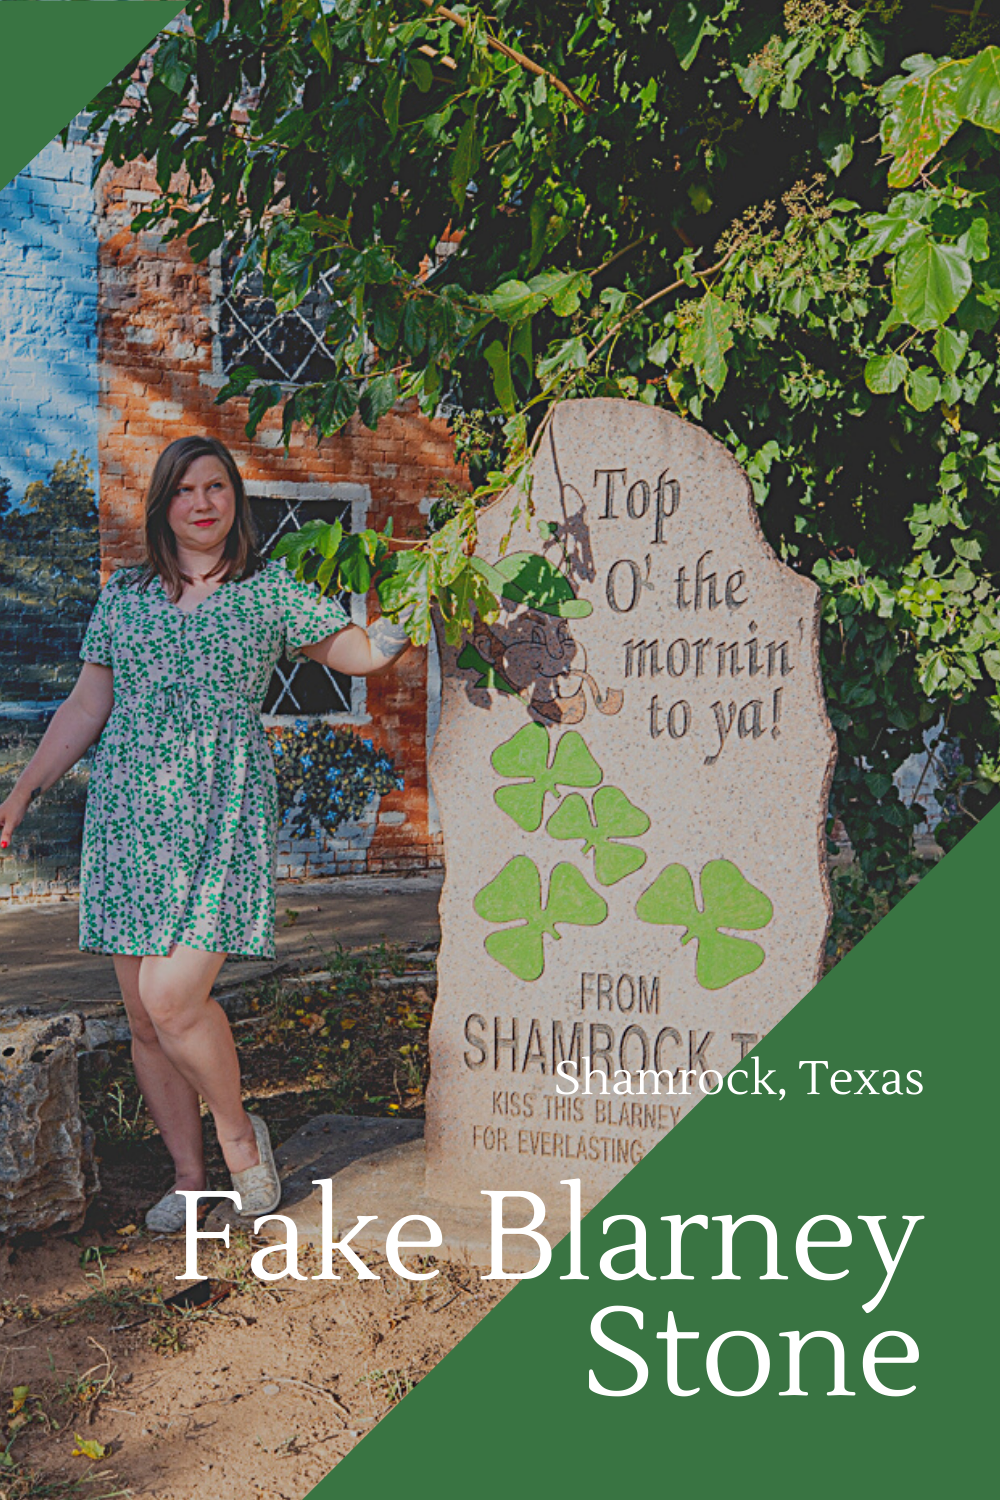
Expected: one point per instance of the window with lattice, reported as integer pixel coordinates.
(288, 346)
(305, 689)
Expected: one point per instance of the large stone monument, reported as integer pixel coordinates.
(632, 769)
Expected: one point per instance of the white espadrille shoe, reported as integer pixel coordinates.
(169, 1215)
(259, 1187)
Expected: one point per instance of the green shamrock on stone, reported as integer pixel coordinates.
(527, 755)
(515, 895)
(728, 900)
(615, 817)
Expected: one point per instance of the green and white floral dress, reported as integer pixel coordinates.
(181, 829)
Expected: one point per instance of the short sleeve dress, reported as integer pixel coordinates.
(180, 836)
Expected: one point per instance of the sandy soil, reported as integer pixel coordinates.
(261, 1395)
(264, 1392)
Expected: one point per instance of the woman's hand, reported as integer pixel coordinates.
(12, 813)
(74, 727)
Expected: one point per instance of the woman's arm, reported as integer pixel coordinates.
(74, 727)
(361, 653)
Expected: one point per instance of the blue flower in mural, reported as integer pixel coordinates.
(327, 774)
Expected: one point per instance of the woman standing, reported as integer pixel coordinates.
(180, 835)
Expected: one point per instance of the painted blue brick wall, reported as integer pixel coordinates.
(48, 315)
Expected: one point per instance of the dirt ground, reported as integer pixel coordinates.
(266, 1389)
(260, 1395)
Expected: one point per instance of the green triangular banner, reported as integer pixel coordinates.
(56, 59)
(510, 1409)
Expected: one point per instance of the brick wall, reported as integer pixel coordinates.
(159, 376)
(48, 315)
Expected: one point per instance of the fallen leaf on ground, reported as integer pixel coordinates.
(89, 1448)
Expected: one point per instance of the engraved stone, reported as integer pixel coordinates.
(632, 770)
(47, 1171)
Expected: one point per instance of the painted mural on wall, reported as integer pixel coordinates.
(49, 551)
(49, 579)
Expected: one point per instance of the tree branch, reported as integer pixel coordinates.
(663, 292)
(518, 57)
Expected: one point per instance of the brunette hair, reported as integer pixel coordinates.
(241, 557)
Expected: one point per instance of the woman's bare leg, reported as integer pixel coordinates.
(170, 1099)
(194, 1036)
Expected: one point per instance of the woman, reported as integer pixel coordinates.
(179, 839)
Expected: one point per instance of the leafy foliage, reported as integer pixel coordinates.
(412, 580)
(328, 775)
(515, 895)
(689, 205)
(728, 900)
(615, 817)
(409, 581)
(526, 754)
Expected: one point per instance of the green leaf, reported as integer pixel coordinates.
(526, 754)
(262, 398)
(706, 338)
(406, 591)
(447, 547)
(238, 383)
(514, 300)
(414, 329)
(690, 22)
(515, 895)
(979, 92)
(379, 396)
(976, 316)
(974, 244)
(337, 405)
(841, 157)
(498, 359)
(173, 61)
(923, 389)
(563, 289)
(568, 354)
(728, 900)
(464, 596)
(615, 817)
(950, 346)
(390, 104)
(922, 116)
(520, 347)
(355, 565)
(929, 282)
(465, 159)
(386, 307)
(887, 232)
(420, 71)
(320, 38)
(329, 538)
(885, 373)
